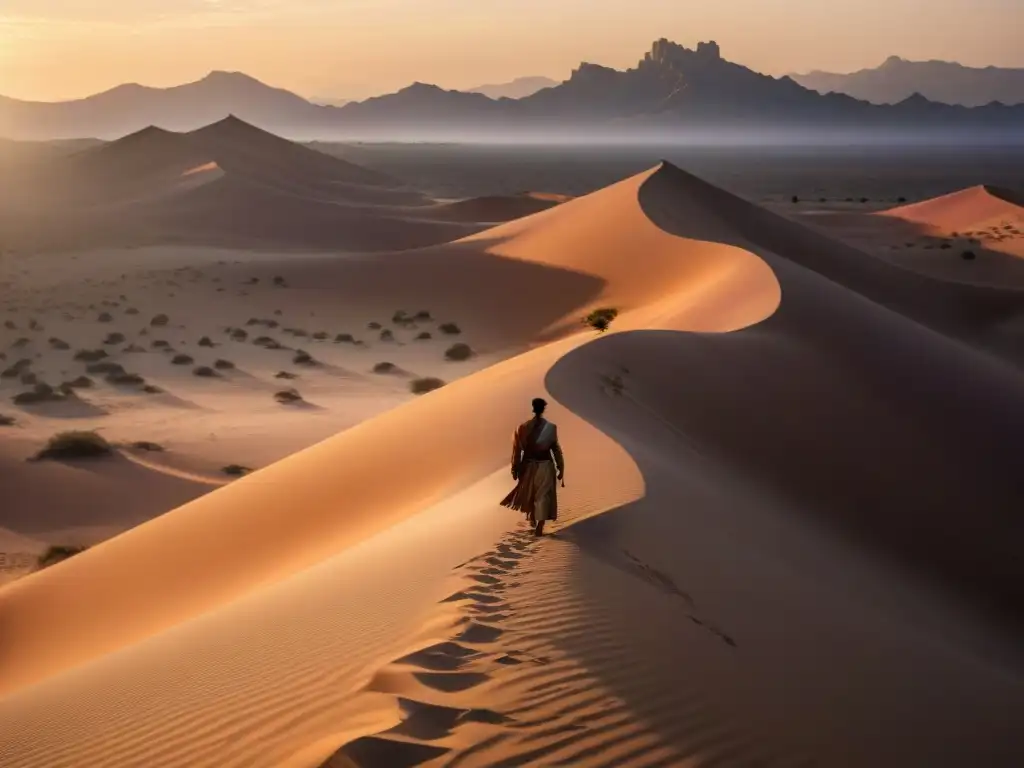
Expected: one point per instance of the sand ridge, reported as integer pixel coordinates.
(709, 516)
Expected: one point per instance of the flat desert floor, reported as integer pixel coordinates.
(789, 532)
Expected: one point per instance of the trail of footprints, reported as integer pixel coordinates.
(441, 671)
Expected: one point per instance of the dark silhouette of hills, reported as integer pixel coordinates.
(944, 81)
(673, 93)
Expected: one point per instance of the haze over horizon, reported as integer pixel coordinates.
(356, 49)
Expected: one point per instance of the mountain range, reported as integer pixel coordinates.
(944, 81)
(673, 94)
(519, 88)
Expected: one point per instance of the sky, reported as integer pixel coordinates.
(60, 49)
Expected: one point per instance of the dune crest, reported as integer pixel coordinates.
(967, 208)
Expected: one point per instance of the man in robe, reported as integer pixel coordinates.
(536, 455)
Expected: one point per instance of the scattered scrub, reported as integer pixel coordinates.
(239, 335)
(224, 365)
(75, 445)
(104, 317)
(458, 352)
(303, 358)
(145, 445)
(106, 367)
(125, 379)
(205, 372)
(450, 329)
(5, 420)
(90, 355)
(600, 319)
(59, 344)
(285, 375)
(968, 256)
(424, 336)
(160, 320)
(424, 385)
(286, 396)
(206, 341)
(114, 338)
(182, 360)
(387, 335)
(236, 470)
(55, 554)
(344, 338)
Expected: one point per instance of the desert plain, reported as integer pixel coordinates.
(791, 526)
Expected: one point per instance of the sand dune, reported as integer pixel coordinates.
(779, 481)
(962, 210)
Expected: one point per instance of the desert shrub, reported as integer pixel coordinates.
(298, 333)
(5, 420)
(458, 352)
(41, 393)
(205, 372)
(10, 373)
(22, 342)
(206, 341)
(239, 335)
(10, 325)
(131, 311)
(254, 321)
(285, 375)
(795, 199)
(320, 335)
(451, 329)
(422, 316)
(133, 349)
(114, 338)
(968, 256)
(125, 379)
(864, 199)
(223, 365)
(55, 554)
(424, 385)
(160, 320)
(280, 281)
(946, 246)
(59, 344)
(374, 326)
(104, 317)
(33, 325)
(161, 344)
(303, 358)
(901, 199)
(288, 396)
(385, 367)
(29, 378)
(105, 367)
(423, 336)
(266, 341)
(90, 355)
(81, 382)
(182, 360)
(145, 445)
(600, 319)
(387, 335)
(152, 389)
(75, 445)
(344, 338)
(236, 470)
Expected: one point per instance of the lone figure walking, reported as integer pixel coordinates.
(534, 445)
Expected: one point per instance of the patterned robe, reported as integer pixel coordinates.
(533, 445)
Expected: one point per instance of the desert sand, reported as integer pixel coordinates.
(789, 533)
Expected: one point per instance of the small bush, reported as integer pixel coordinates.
(600, 319)
(968, 256)
(385, 367)
(458, 352)
(131, 311)
(303, 358)
(901, 199)
(182, 360)
(144, 445)
(239, 335)
(254, 321)
(374, 326)
(152, 389)
(104, 317)
(424, 336)
(90, 355)
(75, 445)
(29, 378)
(422, 316)
(387, 335)
(42, 393)
(105, 367)
(5, 420)
(55, 554)
(321, 335)
(344, 338)
(864, 199)
(205, 372)
(82, 382)
(125, 379)
(795, 199)
(280, 281)
(424, 385)
(160, 320)
(206, 341)
(22, 342)
(224, 365)
(114, 338)
(286, 396)
(59, 344)
(10, 325)
(451, 329)
(133, 349)
(236, 470)
(161, 344)
(285, 375)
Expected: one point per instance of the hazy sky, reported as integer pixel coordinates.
(56, 49)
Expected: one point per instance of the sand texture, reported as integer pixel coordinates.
(790, 532)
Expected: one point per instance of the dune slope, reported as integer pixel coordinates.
(761, 397)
